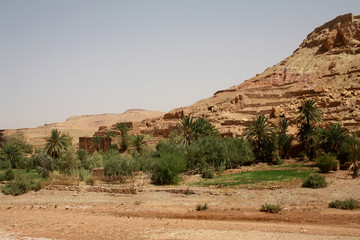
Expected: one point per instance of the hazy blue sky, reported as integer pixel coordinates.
(72, 57)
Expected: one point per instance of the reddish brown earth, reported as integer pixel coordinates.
(167, 213)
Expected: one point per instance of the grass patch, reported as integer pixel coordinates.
(266, 177)
(293, 166)
(270, 208)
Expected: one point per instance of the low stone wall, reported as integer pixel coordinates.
(113, 190)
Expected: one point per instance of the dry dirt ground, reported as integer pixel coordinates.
(160, 213)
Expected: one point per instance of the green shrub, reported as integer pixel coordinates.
(347, 204)
(82, 155)
(20, 185)
(13, 151)
(166, 146)
(68, 161)
(217, 152)
(325, 162)
(278, 160)
(201, 207)
(94, 161)
(9, 175)
(83, 173)
(237, 152)
(145, 162)
(116, 165)
(167, 167)
(208, 173)
(314, 180)
(335, 165)
(44, 163)
(89, 180)
(303, 156)
(270, 208)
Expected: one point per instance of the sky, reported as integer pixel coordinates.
(60, 58)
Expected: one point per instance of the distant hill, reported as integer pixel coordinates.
(85, 125)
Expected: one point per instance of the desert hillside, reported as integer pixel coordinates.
(325, 67)
(85, 125)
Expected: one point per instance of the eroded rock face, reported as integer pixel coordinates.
(325, 67)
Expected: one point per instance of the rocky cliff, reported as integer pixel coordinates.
(325, 67)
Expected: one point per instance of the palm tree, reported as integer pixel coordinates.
(332, 138)
(110, 134)
(138, 143)
(96, 141)
(10, 155)
(123, 128)
(56, 142)
(354, 148)
(192, 129)
(203, 128)
(186, 126)
(283, 140)
(283, 125)
(260, 134)
(309, 113)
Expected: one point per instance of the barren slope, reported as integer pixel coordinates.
(325, 67)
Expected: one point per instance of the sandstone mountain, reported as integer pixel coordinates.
(325, 67)
(86, 125)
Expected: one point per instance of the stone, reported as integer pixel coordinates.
(318, 88)
(329, 42)
(277, 112)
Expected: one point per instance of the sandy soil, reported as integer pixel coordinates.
(156, 213)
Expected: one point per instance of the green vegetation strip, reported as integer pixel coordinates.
(257, 177)
(28, 173)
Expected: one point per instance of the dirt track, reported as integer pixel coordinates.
(155, 213)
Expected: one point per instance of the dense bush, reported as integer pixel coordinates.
(325, 162)
(206, 151)
(12, 156)
(207, 172)
(83, 174)
(145, 161)
(44, 163)
(237, 152)
(314, 180)
(116, 165)
(82, 155)
(8, 175)
(68, 161)
(347, 204)
(94, 161)
(270, 208)
(20, 185)
(167, 168)
(219, 153)
(166, 146)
